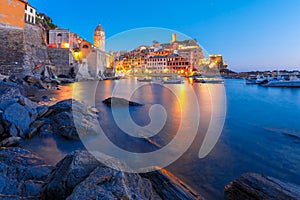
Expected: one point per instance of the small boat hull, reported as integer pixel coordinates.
(295, 84)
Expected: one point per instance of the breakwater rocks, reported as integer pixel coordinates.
(253, 186)
(21, 118)
(23, 175)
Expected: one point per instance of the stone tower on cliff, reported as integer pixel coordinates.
(99, 38)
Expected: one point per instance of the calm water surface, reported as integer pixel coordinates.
(261, 132)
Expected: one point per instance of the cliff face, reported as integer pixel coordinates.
(22, 50)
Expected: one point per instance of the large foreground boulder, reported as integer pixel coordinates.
(80, 176)
(22, 174)
(253, 186)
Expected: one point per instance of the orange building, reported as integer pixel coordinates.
(12, 13)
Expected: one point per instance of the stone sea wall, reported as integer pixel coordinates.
(11, 51)
(22, 50)
(36, 51)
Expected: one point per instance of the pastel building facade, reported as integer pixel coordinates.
(30, 14)
(14, 14)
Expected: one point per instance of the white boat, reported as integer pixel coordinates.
(281, 82)
(261, 79)
(215, 80)
(173, 80)
(144, 79)
(251, 79)
(256, 79)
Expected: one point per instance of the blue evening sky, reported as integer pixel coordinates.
(250, 34)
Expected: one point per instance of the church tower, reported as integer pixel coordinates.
(99, 38)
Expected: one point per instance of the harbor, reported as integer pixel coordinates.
(149, 100)
(276, 144)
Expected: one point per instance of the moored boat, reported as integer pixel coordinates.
(283, 83)
(144, 79)
(215, 80)
(172, 80)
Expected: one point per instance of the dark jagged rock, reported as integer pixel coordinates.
(69, 172)
(19, 117)
(62, 106)
(35, 127)
(8, 91)
(116, 101)
(41, 111)
(63, 114)
(10, 142)
(63, 124)
(80, 176)
(253, 186)
(22, 174)
(168, 186)
(107, 183)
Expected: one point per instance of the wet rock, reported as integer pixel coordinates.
(9, 91)
(22, 174)
(13, 131)
(65, 105)
(252, 186)
(168, 186)
(116, 101)
(63, 125)
(80, 176)
(32, 80)
(27, 102)
(34, 128)
(69, 172)
(63, 114)
(36, 82)
(10, 142)
(18, 116)
(2, 130)
(41, 111)
(107, 183)
(45, 98)
(6, 103)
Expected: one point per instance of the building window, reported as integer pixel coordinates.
(25, 17)
(31, 10)
(25, 7)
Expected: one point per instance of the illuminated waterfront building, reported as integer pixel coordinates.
(63, 38)
(216, 60)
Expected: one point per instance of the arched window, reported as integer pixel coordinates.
(85, 46)
(59, 35)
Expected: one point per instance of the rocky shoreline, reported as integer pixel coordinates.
(25, 175)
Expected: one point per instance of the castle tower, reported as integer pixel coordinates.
(99, 38)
